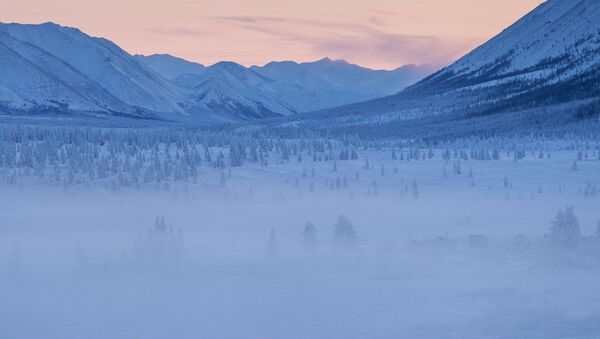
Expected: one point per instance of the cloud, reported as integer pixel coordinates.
(373, 42)
(176, 31)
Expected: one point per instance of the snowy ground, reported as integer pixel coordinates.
(71, 264)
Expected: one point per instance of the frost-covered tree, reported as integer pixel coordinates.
(344, 235)
(309, 238)
(565, 231)
(574, 166)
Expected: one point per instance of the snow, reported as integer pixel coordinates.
(25, 82)
(326, 83)
(452, 221)
(552, 30)
(93, 75)
(547, 59)
(80, 258)
(169, 66)
(103, 62)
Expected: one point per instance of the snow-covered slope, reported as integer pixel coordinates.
(347, 75)
(51, 68)
(104, 62)
(556, 29)
(293, 73)
(169, 66)
(558, 42)
(550, 57)
(327, 83)
(33, 80)
(233, 90)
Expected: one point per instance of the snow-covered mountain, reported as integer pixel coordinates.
(34, 80)
(169, 66)
(103, 62)
(552, 55)
(328, 83)
(49, 68)
(233, 91)
(347, 75)
(548, 58)
(300, 87)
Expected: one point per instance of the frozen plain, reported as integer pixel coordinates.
(71, 266)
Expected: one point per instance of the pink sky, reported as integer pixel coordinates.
(373, 33)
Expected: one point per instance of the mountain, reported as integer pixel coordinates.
(54, 69)
(328, 83)
(234, 91)
(347, 75)
(169, 66)
(550, 56)
(546, 65)
(49, 68)
(34, 80)
(281, 88)
(104, 63)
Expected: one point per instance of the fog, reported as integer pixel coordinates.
(422, 249)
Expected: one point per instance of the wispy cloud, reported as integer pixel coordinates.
(176, 31)
(357, 42)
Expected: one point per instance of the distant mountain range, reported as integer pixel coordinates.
(543, 69)
(295, 87)
(49, 68)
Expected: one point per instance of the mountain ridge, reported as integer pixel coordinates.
(65, 71)
(548, 61)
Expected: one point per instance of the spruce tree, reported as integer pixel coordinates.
(565, 231)
(309, 238)
(344, 235)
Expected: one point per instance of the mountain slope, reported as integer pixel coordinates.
(549, 58)
(169, 66)
(56, 69)
(51, 68)
(555, 48)
(347, 75)
(327, 83)
(233, 90)
(35, 80)
(104, 62)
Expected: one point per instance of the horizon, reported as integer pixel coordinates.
(379, 36)
(325, 58)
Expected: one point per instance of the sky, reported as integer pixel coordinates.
(380, 34)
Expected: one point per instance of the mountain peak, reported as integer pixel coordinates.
(327, 60)
(170, 66)
(165, 85)
(280, 63)
(227, 65)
